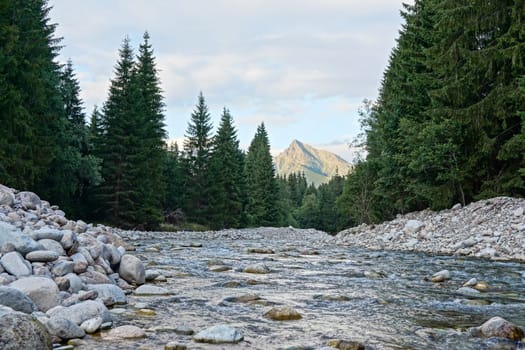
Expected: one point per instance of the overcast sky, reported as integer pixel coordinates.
(301, 66)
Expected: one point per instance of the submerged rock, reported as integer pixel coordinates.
(257, 268)
(282, 313)
(345, 344)
(218, 335)
(500, 328)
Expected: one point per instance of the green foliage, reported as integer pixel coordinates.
(130, 140)
(262, 187)
(196, 162)
(227, 186)
(448, 124)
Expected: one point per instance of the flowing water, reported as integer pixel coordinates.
(382, 299)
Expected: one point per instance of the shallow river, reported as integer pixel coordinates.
(382, 299)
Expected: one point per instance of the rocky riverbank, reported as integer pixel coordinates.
(66, 284)
(58, 273)
(492, 229)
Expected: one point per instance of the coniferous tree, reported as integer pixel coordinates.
(262, 187)
(151, 183)
(174, 180)
(196, 162)
(31, 113)
(227, 187)
(119, 147)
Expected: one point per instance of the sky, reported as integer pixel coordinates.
(303, 67)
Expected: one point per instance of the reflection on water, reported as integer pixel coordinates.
(381, 299)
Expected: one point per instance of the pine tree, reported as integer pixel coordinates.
(174, 181)
(196, 162)
(31, 113)
(151, 183)
(262, 188)
(119, 146)
(227, 187)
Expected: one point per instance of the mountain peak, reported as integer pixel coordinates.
(317, 165)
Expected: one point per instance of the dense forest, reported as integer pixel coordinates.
(448, 127)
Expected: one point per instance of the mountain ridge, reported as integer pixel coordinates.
(317, 165)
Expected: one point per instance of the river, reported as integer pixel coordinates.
(382, 299)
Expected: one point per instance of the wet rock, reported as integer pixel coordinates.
(282, 313)
(150, 275)
(184, 330)
(175, 346)
(42, 256)
(468, 291)
(500, 328)
(219, 334)
(16, 300)
(247, 298)
(78, 313)
(259, 268)
(64, 328)
(332, 297)
(148, 289)
(441, 276)
(260, 251)
(191, 245)
(16, 265)
(132, 269)
(219, 268)
(110, 294)
(470, 283)
(345, 344)
(42, 291)
(125, 332)
(92, 325)
(481, 286)
(146, 312)
(21, 331)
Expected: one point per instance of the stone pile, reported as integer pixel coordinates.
(492, 229)
(60, 273)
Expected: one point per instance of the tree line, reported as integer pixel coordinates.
(449, 124)
(117, 168)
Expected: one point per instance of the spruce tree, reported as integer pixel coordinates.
(151, 183)
(119, 146)
(31, 112)
(196, 163)
(227, 187)
(262, 188)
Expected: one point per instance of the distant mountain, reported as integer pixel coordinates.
(318, 165)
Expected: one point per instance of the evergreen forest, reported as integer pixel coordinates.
(448, 127)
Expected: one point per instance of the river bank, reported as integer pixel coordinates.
(492, 229)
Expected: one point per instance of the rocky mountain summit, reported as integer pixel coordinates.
(492, 229)
(317, 165)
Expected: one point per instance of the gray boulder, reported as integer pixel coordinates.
(16, 265)
(500, 328)
(148, 289)
(22, 242)
(51, 244)
(109, 293)
(219, 334)
(132, 269)
(62, 268)
(42, 290)
(6, 196)
(83, 311)
(64, 328)
(29, 200)
(47, 233)
(21, 331)
(75, 283)
(42, 256)
(69, 238)
(94, 277)
(92, 325)
(16, 300)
